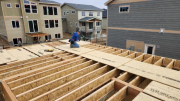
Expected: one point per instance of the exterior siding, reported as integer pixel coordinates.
(70, 18)
(104, 23)
(54, 30)
(1, 13)
(154, 14)
(168, 43)
(3, 27)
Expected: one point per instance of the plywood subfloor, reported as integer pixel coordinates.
(78, 51)
(39, 49)
(109, 59)
(21, 54)
(145, 97)
(5, 57)
(156, 73)
(162, 91)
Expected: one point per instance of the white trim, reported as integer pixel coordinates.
(146, 46)
(10, 5)
(16, 4)
(56, 23)
(92, 13)
(98, 31)
(33, 25)
(99, 13)
(17, 40)
(31, 8)
(84, 13)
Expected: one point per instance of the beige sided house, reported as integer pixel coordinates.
(26, 20)
(104, 19)
(79, 17)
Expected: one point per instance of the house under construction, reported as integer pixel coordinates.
(89, 73)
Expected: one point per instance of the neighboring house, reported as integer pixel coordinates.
(26, 20)
(104, 19)
(79, 17)
(150, 26)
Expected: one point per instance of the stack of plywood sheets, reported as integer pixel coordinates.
(21, 54)
(39, 49)
(5, 57)
(78, 51)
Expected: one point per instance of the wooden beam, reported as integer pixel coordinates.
(136, 81)
(7, 92)
(159, 62)
(125, 76)
(170, 65)
(124, 54)
(149, 60)
(132, 56)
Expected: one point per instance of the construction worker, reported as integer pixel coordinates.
(74, 39)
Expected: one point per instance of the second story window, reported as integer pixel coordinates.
(45, 10)
(124, 9)
(15, 24)
(83, 13)
(51, 23)
(34, 8)
(98, 23)
(46, 24)
(55, 11)
(8, 5)
(56, 23)
(91, 13)
(98, 13)
(50, 10)
(73, 11)
(27, 8)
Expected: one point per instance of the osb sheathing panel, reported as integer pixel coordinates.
(156, 73)
(145, 97)
(5, 57)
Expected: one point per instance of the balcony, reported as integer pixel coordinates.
(90, 30)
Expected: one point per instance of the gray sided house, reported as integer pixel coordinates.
(79, 17)
(149, 26)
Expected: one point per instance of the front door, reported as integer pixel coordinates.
(90, 25)
(149, 49)
(15, 40)
(33, 26)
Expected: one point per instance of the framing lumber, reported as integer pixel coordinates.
(136, 81)
(90, 85)
(159, 62)
(177, 65)
(125, 76)
(170, 65)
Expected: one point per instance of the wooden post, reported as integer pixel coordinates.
(86, 28)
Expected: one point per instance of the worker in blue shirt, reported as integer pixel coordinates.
(74, 39)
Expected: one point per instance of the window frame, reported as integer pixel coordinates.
(16, 4)
(57, 35)
(56, 23)
(33, 25)
(98, 13)
(124, 6)
(46, 24)
(98, 24)
(52, 24)
(26, 3)
(92, 13)
(84, 13)
(46, 10)
(74, 12)
(7, 6)
(84, 24)
(15, 24)
(54, 11)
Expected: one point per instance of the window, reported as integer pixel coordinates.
(50, 10)
(8, 5)
(45, 10)
(98, 13)
(83, 23)
(26, 2)
(56, 23)
(16, 40)
(124, 9)
(51, 23)
(83, 13)
(57, 36)
(90, 13)
(17, 6)
(73, 11)
(46, 23)
(67, 12)
(71, 24)
(55, 11)
(98, 23)
(76, 24)
(33, 26)
(34, 8)
(27, 8)
(48, 37)
(15, 24)
(64, 13)
(98, 32)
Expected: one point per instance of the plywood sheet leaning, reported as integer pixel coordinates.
(156, 73)
(145, 97)
(78, 51)
(21, 54)
(5, 57)
(79, 42)
(162, 91)
(110, 59)
(39, 49)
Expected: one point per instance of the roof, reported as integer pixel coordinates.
(104, 15)
(88, 18)
(83, 6)
(49, 1)
(109, 1)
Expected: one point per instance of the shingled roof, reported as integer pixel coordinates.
(83, 7)
(49, 1)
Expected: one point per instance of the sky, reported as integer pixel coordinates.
(97, 3)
